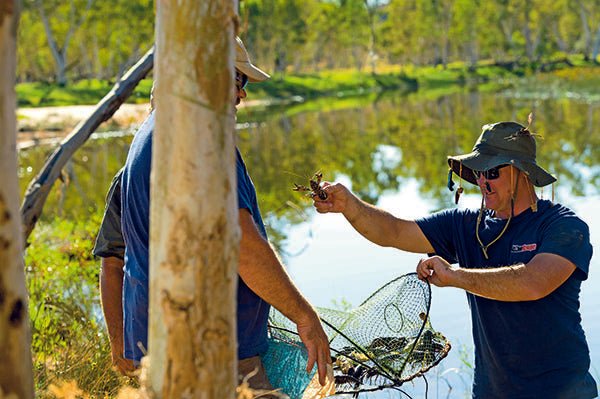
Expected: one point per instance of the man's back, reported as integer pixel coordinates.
(252, 311)
(135, 216)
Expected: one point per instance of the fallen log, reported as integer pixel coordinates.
(39, 187)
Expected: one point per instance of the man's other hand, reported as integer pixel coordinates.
(316, 342)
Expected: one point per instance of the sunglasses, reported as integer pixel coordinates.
(241, 80)
(490, 174)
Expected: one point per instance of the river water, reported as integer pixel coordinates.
(390, 150)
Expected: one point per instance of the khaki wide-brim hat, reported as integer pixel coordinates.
(244, 65)
(502, 143)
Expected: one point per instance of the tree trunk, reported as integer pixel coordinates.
(529, 44)
(596, 46)
(59, 53)
(560, 42)
(585, 26)
(194, 233)
(372, 55)
(15, 340)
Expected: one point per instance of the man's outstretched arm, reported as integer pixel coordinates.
(375, 224)
(263, 272)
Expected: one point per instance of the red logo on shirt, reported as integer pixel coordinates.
(524, 248)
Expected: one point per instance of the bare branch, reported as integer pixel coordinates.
(39, 188)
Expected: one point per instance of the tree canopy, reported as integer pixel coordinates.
(62, 40)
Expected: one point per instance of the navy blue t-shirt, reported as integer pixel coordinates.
(252, 311)
(528, 349)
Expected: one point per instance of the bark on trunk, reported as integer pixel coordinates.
(39, 188)
(194, 233)
(15, 356)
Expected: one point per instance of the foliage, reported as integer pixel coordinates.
(100, 40)
(69, 341)
(91, 38)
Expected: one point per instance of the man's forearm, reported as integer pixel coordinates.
(385, 229)
(520, 282)
(111, 291)
(509, 283)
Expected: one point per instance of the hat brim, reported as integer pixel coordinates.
(254, 73)
(464, 165)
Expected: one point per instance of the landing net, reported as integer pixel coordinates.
(382, 343)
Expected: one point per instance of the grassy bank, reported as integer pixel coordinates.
(328, 83)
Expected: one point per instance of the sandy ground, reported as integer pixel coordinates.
(47, 125)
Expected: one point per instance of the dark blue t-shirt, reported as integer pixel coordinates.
(252, 311)
(528, 349)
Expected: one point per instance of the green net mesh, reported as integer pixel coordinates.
(382, 343)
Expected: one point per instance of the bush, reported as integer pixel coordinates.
(69, 340)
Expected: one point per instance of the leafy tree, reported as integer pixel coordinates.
(61, 21)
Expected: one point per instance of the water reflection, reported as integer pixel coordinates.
(379, 143)
(383, 145)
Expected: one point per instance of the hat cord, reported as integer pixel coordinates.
(532, 197)
(483, 247)
(460, 189)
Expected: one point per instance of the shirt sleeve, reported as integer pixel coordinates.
(439, 229)
(569, 237)
(109, 242)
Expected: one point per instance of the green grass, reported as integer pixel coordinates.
(329, 83)
(78, 93)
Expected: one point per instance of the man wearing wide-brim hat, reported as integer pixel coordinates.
(520, 259)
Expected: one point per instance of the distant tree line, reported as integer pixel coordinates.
(61, 40)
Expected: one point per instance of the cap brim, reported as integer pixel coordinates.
(254, 74)
(464, 165)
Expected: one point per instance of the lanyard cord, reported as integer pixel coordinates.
(484, 248)
(479, 218)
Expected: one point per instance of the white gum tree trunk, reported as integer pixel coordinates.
(15, 355)
(194, 230)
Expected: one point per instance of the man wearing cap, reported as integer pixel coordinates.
(521, 261)
(122, 242)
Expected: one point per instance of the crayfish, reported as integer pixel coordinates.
(315, 187)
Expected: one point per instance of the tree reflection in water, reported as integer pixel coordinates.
(377, 143)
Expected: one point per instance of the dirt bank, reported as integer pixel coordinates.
(48, 124)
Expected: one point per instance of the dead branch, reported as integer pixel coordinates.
(39, 188)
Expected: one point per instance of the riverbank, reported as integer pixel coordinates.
(45, 125)
(42, 125)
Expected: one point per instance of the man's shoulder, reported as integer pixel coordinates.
(450, 215)
(143, 135)
(558, 213)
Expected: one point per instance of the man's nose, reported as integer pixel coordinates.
(480, 179)
(242, 93)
